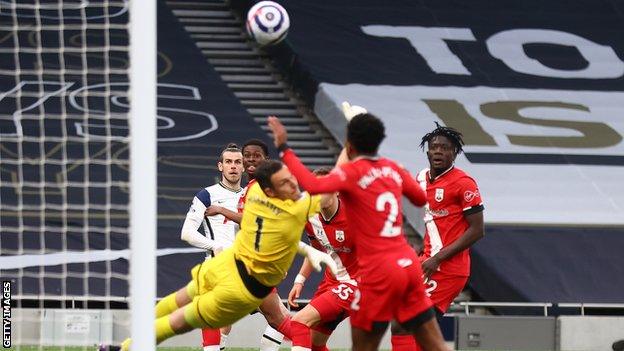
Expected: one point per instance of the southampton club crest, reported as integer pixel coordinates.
(439, 195)
(340, 235)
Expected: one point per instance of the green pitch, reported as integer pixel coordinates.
(72, 348)
(58, 348)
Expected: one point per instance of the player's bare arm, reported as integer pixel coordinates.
(229, 214)
(295, 291)
(309, 182)
(474, 232)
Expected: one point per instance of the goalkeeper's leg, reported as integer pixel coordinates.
(175, 300)
(279, 322)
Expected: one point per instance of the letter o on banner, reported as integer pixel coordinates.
(508, 47)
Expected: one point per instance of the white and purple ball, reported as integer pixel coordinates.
(267, 23)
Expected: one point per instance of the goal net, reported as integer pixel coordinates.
(65, 171)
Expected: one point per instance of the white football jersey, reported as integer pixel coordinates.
(217, 228)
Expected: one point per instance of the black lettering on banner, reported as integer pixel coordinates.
(6, 314)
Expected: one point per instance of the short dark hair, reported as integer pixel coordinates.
(451, 133)
(365, 132)
(264, 172)
(231, 147)
(321, 171)
(257, 142)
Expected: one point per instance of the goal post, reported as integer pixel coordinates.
(143, 178)
(78, 153)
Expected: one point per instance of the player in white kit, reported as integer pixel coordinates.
(218, 231)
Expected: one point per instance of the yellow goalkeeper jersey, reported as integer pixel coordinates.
(270, 232)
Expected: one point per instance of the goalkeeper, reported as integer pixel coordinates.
(234, 283)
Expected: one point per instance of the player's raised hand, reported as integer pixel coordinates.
(280, 136)
(294, 293)
(351, 111)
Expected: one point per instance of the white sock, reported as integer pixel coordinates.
(271, 340)
(211, 348)
(223, 341)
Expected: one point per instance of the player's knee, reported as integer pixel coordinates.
(182, 296)
(303, 320)
(308, 316)
(193, 317)
(274, 319)
(191, 289)
(274, 316)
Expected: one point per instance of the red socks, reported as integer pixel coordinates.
(211, 337)
(404, 343)
(285, 328)
(300, 335)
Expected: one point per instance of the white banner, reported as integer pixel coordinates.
(539, 156)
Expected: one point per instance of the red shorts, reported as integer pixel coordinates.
(333, 302)
(443, 288)
(392, 289)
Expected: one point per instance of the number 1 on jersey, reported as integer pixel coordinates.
(259, 221)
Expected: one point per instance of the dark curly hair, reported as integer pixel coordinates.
(452, 134)
(259, 143)
(365, 132)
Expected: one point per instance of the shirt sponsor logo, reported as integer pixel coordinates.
(470, 195)
(439, 195)
(438, 213)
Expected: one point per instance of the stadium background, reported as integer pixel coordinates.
(554, 200)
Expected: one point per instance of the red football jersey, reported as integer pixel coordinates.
(332, 236)
(371, 190)
(451, 196)
(243, 198)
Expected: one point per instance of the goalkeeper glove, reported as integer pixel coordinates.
(351, 111)
(317, 258)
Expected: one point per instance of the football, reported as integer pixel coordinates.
(267, 23)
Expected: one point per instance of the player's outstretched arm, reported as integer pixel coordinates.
(308, 181)
(317, 258)
(295, 291)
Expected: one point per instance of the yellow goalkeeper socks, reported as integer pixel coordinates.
(163, 329)
(166, 306)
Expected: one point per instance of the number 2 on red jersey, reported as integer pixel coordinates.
(389, 229)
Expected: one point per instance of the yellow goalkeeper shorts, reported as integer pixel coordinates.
(221, 297)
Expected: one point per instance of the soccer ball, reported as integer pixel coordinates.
(267, 23)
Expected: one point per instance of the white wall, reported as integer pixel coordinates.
(589, 333)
